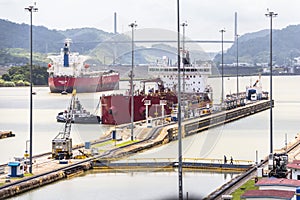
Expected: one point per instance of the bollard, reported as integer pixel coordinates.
(226, 197)
(297, 193)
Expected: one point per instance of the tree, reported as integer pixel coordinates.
(39, 74)
(6, 77)
(18, 77)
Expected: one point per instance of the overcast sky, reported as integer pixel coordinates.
(204, 17)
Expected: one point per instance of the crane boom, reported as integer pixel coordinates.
(62, 143)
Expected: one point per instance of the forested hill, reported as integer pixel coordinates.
(14, 45)
(15, 35)
(255, 47)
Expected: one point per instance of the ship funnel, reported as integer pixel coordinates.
(66, 53)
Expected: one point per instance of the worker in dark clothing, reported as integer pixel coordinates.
(225, 159)
(231, 160)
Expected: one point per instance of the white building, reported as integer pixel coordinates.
(278, 184)
(295, 169)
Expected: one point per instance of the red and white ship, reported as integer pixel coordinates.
(158, 97)
(69, 71)
(116, 109)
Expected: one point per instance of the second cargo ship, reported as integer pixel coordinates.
(69, 71)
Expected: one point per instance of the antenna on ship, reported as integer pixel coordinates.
(184, 61)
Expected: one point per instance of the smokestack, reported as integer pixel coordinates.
(66, 54)
(115, 23)
(235, 25)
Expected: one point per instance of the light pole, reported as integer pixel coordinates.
(271, 15)
(30, 9)
(180, 182)
(222, 65)
(132, 25)
(184, 24)
(237, 66)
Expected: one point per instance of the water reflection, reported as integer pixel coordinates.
(131, 185)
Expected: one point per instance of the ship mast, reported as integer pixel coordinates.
(184, 61)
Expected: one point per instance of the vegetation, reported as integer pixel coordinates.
(126, 143)
(253, 47)
(20, 76)
(113, 142)
(103, 144)
(19, 57)
(249, 185)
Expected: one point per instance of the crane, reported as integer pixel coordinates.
(62, 143)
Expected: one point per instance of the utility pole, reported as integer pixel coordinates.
(271, 15)
(180, 182)
(237, 66)
(132, 25)
(222, 65)
(237, 54)
(30, 9)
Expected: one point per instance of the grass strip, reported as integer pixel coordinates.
(249, 185)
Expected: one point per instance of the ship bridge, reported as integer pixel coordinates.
(201, 69)
(194, 76)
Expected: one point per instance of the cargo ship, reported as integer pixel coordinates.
(69, 71)
(158, 97)
(116, 109)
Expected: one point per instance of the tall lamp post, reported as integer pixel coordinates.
(222, 63)
(237, 65)
(132, 25)
(271, 15)
(30, 9)
(180, 182)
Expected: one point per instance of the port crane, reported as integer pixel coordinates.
(62, 143)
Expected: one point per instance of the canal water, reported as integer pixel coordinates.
(240, 139)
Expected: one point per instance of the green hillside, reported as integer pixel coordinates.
(108, 48)
(255, 47)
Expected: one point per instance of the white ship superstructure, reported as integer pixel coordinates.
(193, 76)
(67, 63)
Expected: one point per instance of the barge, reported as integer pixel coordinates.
(6, 134)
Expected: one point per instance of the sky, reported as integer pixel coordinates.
(205, 18)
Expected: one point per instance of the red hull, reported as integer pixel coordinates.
(84, 84)
(117, 109)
